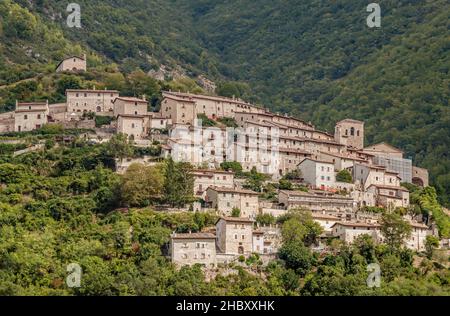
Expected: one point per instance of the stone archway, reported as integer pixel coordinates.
(418, 181)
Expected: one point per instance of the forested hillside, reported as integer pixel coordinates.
(316, 59)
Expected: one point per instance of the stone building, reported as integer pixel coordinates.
(203, 179)
(350, 133)
(267, 240)
(316, 201)
(193, 248)
(225, 199)
(130, 106)
(131, 125)
(389, 196)
(420, 177)
(81, 101)
(6, 122)
(341, 161)
(325, 221)
(383, 184)
(419, 233)
(349, 231)
(235, 235)
(179, 110)
(185, 107)
(73, 64)
(317, 173)
(30, 116)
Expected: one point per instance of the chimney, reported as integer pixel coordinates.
(144, 97)
(17, 104)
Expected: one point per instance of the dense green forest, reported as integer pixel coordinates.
(65, 204)
(316, 59)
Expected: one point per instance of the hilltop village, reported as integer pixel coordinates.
(336, 177)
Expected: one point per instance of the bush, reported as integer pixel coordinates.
(344, 176)
(102, 120)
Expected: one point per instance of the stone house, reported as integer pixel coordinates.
(325, 221)
(30, 116)
(178, 110)
(130, 106)
(203, 179)
(225, 199)
(73, 64)
(349, 231)
(184, 107)
(267, 240)
(81, 101)
(341, 160)
(193, 248)
(258, 241)
(390, 196)
(317, 173)
(419, 233)
(316, 201)
(383, 184)
(131, 125)
(235, 235)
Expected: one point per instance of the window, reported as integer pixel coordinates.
(352, 131)
(25, 117)
(243, 237)
(235, 236)
(39, 116)
(132, 125)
